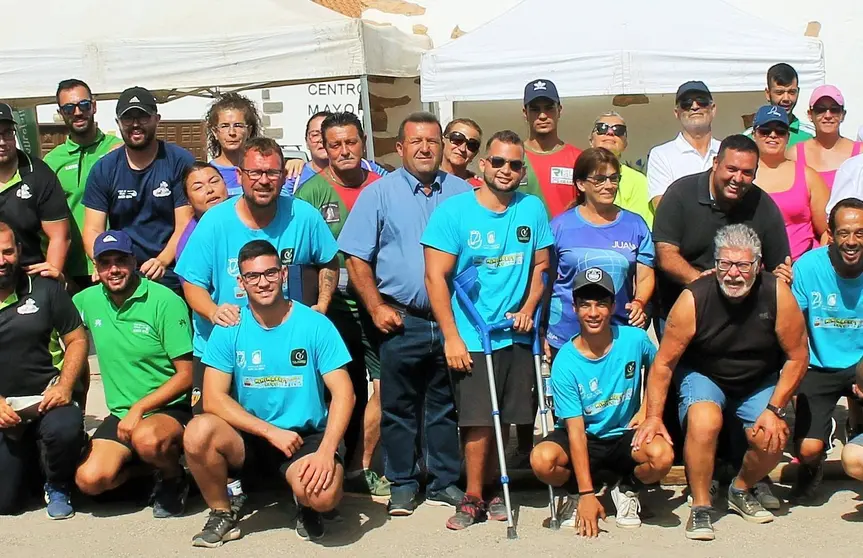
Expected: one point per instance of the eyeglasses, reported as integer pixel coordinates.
(599, 179)
(86, 105)
(254, 277)
(833, 109)
(225, 126)
(742, 267)
(315, 136)
(7, 135)
(140, 117)
(498, 162)
(767, 131)
(458, 139)
(257, 174)
(602, 129)
(689, 102)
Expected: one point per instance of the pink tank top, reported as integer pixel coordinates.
(828, 176)
(797, 213)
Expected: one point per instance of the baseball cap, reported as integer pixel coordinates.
(6, 113)
(692, 87)
(768, 114)
(136, 98)
(540, 88)
(594, 276)
(112, 241)
(830, 91)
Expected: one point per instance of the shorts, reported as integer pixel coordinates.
(197, 400)
(857, 440)
(817, 396)
(262, 456)
(696, 388)
(108, 429)
(514, 382)
(603, 454)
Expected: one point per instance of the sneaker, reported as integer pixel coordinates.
(402, 504)
(566, 510)
(221, 527)
(765, 496)
(332, 516)
(714, 492)
(699, 526)
(497, 510)
(471, 510)
(58, 497)
(451, 496)
(368, 482)
(749, 508)
(628, 506)
(310, 524)
(169, 496)
(808, 480)
(237, 503)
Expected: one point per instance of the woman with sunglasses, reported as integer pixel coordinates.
(798, 190)
(609, 131)
(828, 149)
(462, 142)
(594, 232)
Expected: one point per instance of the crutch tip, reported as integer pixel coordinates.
(510, 533)
(553, 524)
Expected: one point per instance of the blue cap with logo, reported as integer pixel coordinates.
(112, 241)
(540, 88)
(768, 114)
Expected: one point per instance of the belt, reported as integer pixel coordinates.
(409, 310)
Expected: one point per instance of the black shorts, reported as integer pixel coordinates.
(514, 382)
(817, 396)
(604, 454)
(108, 429)
(197, 401)
(261, 456)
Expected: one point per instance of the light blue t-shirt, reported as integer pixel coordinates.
(501, 246)
(605, 391)
(833, 307)
(209, 259)
(278, 373)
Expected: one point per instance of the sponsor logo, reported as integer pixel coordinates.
(109, 238)
(299, 357)
(24, 192)
(816, 299)
(257, 358)
(474, 240)
(233, 267)
(561, 175)
(594, 275)
(831, 299)
(539, 85)
(623, 245)
(97, 323)
(330, 212)
(163, 191)
(774, 111)
(593, 385)
(263, 382)
(126, 194)
(507, 260)
(71, 166)
(522, 234)
(135, 99)
(196, 396)
(630, 370)
(490, 238)
(287, 256)
(29, 307)
(241, 359)
(142, 329)
(839, 323)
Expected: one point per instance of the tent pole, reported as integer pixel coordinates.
(367, 117)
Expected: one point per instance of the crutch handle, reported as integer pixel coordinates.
(501, 325)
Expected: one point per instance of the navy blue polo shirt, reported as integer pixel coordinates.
(141, 202)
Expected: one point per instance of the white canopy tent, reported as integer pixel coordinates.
(633, 47)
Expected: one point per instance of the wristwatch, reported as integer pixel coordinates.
(776, 410)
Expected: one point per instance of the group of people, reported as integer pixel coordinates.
(242, 308)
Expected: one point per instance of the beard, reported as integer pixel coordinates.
(149, 136)
(9, 277)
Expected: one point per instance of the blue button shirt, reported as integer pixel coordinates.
(386, 225)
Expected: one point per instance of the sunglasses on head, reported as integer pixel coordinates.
(457, 139)
(833, 109)
(767, 131)
(86, 105)
(602, 129)
(688, 102)
(498, 162)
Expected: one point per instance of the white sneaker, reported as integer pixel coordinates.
(566, 510)
(714, 491)
(628, 506)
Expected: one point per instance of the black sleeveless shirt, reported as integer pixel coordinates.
(735, 343)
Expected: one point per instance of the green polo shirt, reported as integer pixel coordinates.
(136, 343)
(72, 163)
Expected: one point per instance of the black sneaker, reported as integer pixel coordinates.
(451, 497)
(699, 527)
(809, 478)
(221, 527)
(310, 524)
(237, 503)
(401, 504)
(169, 496)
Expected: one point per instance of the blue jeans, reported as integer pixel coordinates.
(696, 388)
(416, 393)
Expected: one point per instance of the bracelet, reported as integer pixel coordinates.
(587, 492)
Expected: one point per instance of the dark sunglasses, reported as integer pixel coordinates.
(767, 131)
(602, 129)
(498, 162)
(687, 103)
(85, 105)
(835, 109)
(457, 139)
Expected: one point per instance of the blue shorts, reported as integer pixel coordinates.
(695, 388)
(857, 440)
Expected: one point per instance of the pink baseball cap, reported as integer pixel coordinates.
(826, 91)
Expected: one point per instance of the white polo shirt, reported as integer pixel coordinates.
(848, 183)
(676, 159)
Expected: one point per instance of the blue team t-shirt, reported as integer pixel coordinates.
(230, 176)
(501, 246)
(833, 307)
(209, 259)
(141, 202)
(616, 248)
(277, 374)
(605, 391)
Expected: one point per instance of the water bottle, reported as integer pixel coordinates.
(545, 372)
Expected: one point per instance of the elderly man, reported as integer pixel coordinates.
(727, 336)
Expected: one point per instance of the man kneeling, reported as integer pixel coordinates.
(277, 362)
(596, 381)
(144, 345)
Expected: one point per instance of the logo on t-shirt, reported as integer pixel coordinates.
(196, 396)
(126, 194)
(299, 357)
(257, 358)
(593, 384)
(233, 267)
(474, 240)
(330, 212)
(241, 359)
(561, 175)
(138, 327)
(630, 370)
(287, 256)
(29, 307)
(831, 299)
(163, 191)
(97, 323)
(522, 234)
(24, 192)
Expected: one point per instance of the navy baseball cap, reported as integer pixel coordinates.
(768, 114)
(112, 241)
(136, 98)
(6, 113)
(692, 87)
(594, 276)
(540, 88)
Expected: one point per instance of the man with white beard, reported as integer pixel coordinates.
(727, 336)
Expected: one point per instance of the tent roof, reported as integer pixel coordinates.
(630, 47)
(170, 44)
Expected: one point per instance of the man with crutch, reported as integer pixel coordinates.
(505, 236)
